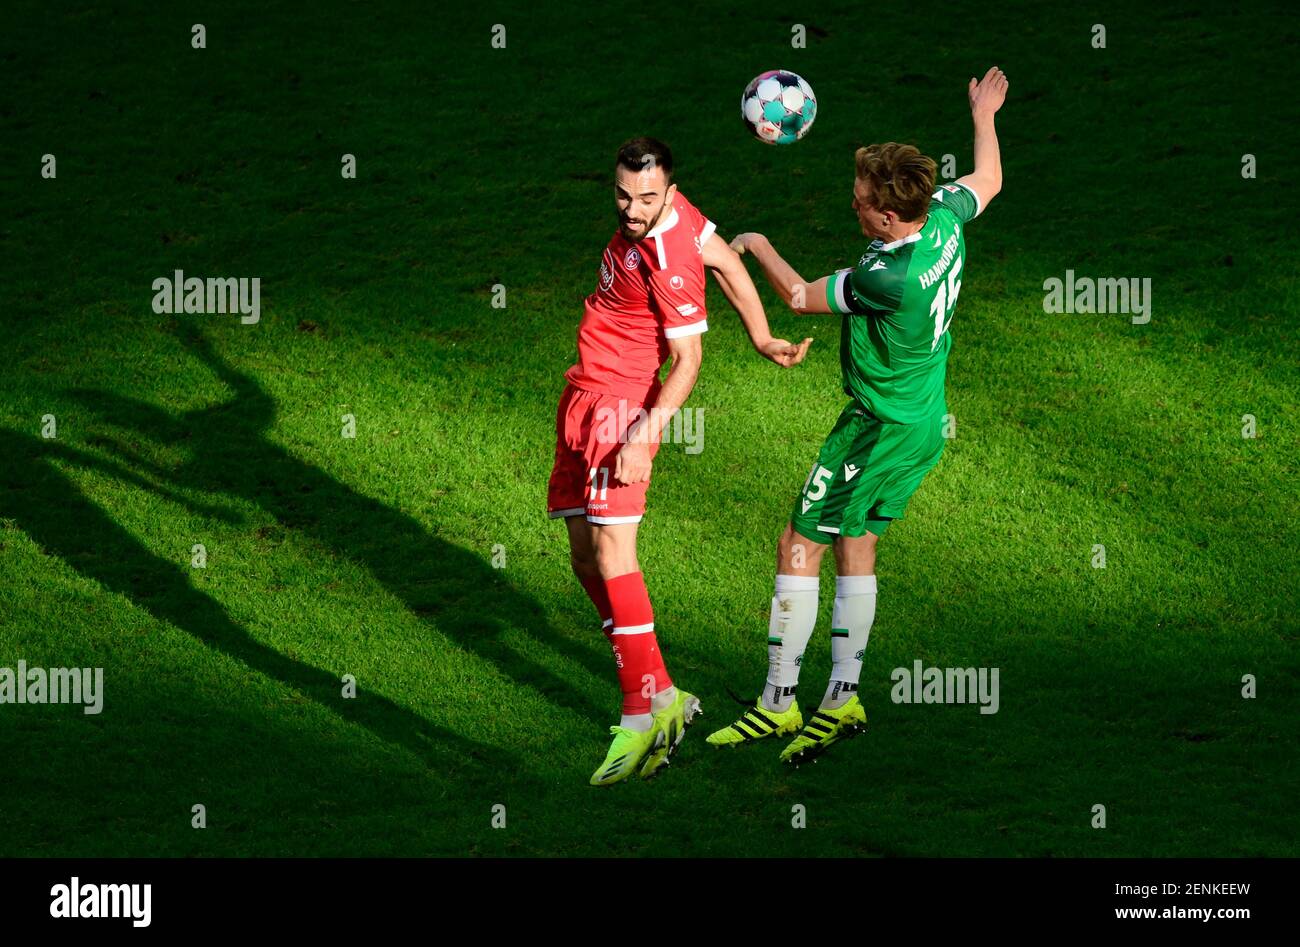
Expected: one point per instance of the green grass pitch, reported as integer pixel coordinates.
(372, 556)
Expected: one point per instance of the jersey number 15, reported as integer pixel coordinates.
(944, 301)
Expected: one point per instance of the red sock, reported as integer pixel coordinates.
(595, 587)
(635, 648)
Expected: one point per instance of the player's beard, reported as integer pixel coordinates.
(638, 234)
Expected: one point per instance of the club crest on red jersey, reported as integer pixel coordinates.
(632, 260)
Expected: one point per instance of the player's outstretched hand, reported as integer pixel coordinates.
(989, 93)
(740, 242)
(785, 353)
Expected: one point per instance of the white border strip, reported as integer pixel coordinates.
(979, 208)
(905, 240)
(612, 520)
(706, 233)
(680, 332)
(633, 629)
(841, 281)
(667, 225)
(576, 511)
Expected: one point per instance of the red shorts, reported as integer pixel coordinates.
(589, 432)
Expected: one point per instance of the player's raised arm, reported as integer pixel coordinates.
(807, 298)
(739, 289)
(986, 97)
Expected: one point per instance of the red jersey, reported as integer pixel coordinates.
(649, 292)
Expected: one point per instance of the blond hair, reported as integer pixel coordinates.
(900, 177)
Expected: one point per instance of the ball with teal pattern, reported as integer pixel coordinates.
(778, 107)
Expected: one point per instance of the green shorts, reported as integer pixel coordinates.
(866, 472)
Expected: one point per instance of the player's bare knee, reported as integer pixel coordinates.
(615, 553)
(856, 555)
(612, 563)
(795, 552)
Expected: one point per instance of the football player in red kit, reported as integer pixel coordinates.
(648, 308)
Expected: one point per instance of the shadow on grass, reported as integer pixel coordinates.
(49, 508)
(228, 453)
(123, 783)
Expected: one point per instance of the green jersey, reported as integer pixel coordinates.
(897, 305)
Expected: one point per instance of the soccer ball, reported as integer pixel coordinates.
(778, 107)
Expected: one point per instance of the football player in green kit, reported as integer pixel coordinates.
(897, 305)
